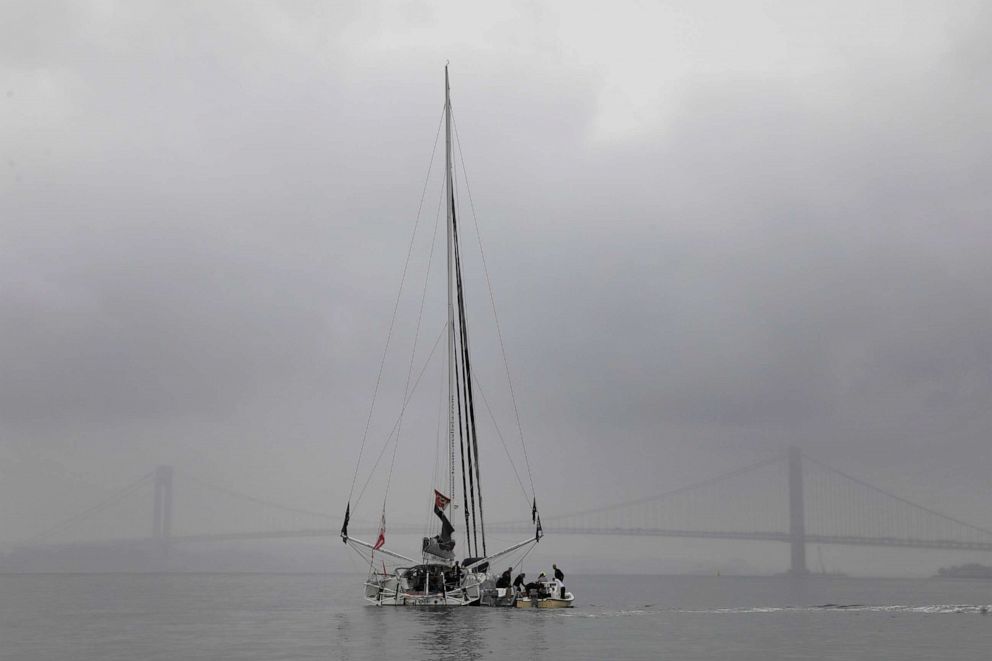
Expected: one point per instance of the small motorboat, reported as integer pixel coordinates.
(550, 594)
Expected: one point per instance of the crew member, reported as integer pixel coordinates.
(518, 582)
(559, 582)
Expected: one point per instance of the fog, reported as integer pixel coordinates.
(714, 230)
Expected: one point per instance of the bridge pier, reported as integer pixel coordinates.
(162, 514)
(797, 514)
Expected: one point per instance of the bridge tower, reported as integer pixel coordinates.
(797, 513)
(162, 506)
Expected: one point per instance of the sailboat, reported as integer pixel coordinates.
(450, 569)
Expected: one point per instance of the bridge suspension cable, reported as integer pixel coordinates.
(900, 499)
(114, 498)
(255, 500)
(674, 492)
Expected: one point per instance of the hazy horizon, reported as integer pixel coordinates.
(715, 230)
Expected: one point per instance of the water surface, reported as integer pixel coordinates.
(106, 617)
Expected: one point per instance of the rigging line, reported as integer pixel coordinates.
(473, 436)
(362, 556)
(499, 435)
(429, 518)
(466, 445)
(473, 464)
(461, 445)
(393, 430)
(253, 499)
(900, 499)
(689, 487)
(465, 433)
(352, 560)
(449, 451)
(472, 448)
(452, 483)
(492, 300)
(520, 562)
(396, 305)
(413, 352)
(462, 380)
(109, 500)
(457, 358)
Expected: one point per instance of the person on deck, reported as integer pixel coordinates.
(518, 582)
(559, 582)
(504, 579)
(538, 586)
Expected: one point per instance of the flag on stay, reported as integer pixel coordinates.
(381, 539)
(347, 517)
(440, 500)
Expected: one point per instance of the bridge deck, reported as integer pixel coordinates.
(766, 536)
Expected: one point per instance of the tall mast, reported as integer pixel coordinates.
(452, 367)
(461, 407)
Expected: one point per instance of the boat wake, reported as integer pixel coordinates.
(932, 609)
(976, 609)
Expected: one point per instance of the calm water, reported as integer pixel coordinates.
(181, 617)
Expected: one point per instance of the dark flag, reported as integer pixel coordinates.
(533, 512)
(540, 530)
(344, 528)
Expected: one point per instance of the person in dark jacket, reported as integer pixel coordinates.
(518, 582)
(504, 579)
(559, 574)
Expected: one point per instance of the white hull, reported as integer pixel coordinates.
(547, 602)
(475, 590)
(394, 590)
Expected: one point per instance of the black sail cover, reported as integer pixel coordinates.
(446, 528)
(441, 545)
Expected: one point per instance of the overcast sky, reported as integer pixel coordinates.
(714, 229)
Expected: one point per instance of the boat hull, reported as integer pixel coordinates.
(546, 602)
(422, 601)
(395, 590)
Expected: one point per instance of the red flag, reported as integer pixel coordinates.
(440, 500)
(382, 534)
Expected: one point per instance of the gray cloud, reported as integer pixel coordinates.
(205, 212)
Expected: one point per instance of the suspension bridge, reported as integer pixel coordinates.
(792, 499)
